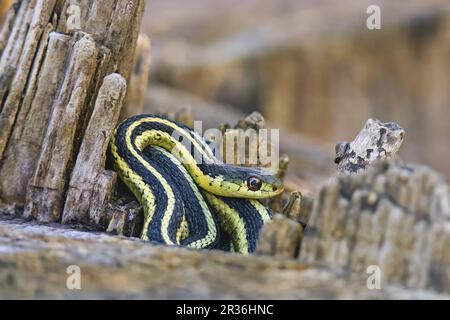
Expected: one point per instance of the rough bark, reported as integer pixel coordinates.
(51, 71)
(19, 54)
(26, 140)
(393, 216)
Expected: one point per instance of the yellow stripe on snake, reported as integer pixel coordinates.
(189, 197)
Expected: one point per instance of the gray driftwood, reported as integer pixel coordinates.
(375, 141)
(126, 217)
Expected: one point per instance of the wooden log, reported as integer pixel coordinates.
(90, 188)
(37, 256)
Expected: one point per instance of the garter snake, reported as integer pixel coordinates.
(189, 197)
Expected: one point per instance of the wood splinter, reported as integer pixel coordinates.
(90, 186)
(375, 141)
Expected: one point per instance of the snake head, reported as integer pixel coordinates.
(243, 182)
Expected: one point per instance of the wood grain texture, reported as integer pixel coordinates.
(90, 188)
(376, 141)
(46, 188)
(37, 256)
(394, 216)
(51, 73)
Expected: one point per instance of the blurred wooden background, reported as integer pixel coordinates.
(313, 66)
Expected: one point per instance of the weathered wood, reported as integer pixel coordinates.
(46, 189)
(396, 217)
(42, 121)
(113, 24)
(293, 207)
(280, 237)
(101, 195)
(24, 144)
(126, 218)
(103, 64)
(19, 53)
(375, 141)
(7, 19)
(90, 188)
(36, 258)
(13, 35)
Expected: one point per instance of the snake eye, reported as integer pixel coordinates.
(254, 183)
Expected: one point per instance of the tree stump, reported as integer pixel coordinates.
(393, 216)
(64, 65)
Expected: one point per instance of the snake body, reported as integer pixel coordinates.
(189, 197)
